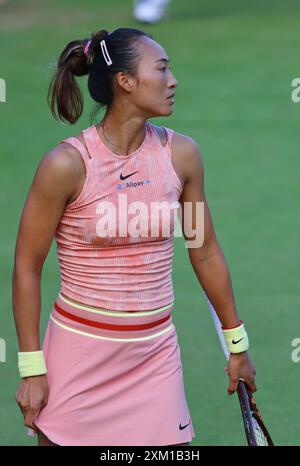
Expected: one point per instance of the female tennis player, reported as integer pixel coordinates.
(109, 371)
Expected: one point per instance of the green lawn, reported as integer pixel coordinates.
(235, 63)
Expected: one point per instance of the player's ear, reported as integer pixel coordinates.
(125, 81)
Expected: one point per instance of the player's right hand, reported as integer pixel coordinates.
(32, 396)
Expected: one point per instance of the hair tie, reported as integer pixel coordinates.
(86, 48)
(103, 46)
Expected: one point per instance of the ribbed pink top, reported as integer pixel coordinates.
(122, 272)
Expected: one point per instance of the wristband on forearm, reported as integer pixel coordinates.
(236, 338)
(31, 363)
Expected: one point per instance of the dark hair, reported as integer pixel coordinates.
(64, 95)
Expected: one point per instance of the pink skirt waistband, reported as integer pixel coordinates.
(103, 323)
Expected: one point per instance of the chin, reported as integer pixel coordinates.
(169, 111)
(166, 112)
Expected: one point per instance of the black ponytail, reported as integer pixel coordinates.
(64, 95)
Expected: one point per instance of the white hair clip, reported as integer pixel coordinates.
(105, 53)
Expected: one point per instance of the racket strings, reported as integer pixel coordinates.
(260, 437)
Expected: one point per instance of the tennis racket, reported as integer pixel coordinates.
(255, 429)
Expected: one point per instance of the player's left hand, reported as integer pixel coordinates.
(241, 367)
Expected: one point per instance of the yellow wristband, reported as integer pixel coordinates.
(31, 363)
(236, 339)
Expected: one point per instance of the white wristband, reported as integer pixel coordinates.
(31, 363)
(236, 339)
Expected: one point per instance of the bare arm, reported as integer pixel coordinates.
(208, 260)
(53, 185)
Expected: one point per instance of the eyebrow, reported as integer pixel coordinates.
(164, 60)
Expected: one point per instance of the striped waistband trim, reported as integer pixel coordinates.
(107, 326)
(106, 312)
(170, 327)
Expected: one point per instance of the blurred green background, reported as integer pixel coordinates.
(235, 62)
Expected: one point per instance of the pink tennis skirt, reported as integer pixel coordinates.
(115, 378)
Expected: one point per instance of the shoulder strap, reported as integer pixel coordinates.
(156, 135)
(170, 133)
(91, 140)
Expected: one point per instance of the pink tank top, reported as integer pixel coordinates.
(112, 248)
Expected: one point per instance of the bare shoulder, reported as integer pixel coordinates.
(60, 171)
(186, 146)
(186, 156)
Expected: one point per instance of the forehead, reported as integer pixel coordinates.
(152, 51)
